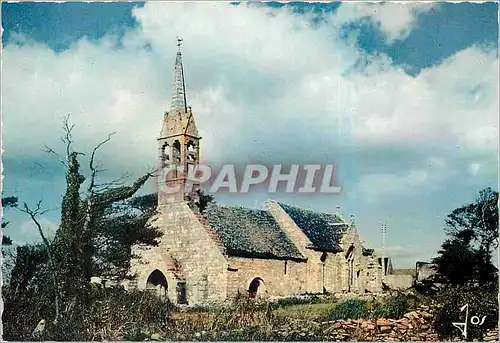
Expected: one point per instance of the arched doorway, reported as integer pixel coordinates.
(350, 268)
(157, 282)
(253, 288)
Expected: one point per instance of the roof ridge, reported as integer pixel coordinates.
(239, 207)
(309, 210)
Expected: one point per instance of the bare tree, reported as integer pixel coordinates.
(71, 252)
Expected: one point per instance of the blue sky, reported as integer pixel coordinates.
(402, 97)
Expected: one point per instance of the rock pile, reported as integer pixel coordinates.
(414, 326)
(492, 336)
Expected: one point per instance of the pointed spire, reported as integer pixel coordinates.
(179, 88)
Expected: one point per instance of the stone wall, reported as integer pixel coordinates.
(424, 270)
(399, 282)
(300, 277)
(367, 271)
(414, 326)
(330, 271)
(190, 252)
(276, 282)
(201, 263)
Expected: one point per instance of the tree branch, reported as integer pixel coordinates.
(33, 215)
(68, 138)
(93, 168)
(49, 150)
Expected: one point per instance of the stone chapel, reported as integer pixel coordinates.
(231, 251)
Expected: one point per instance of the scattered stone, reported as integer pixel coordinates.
(403, 321)
(426, 315)
(382, 321)
(155, 337)
(385, 328)
(414, 326)
(411, 315)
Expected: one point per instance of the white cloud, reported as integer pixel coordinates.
(263, 84)
(437, 162)
(395, 20)
(373, 187)
(387, 106)
(245, 75)
(28, 231)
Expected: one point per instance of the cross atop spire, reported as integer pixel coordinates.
(179, 88)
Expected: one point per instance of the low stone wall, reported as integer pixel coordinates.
(414, 326)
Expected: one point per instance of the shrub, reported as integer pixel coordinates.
(395, 306)
(350, 309)
(135, 334)
(104, 316)
(304, 300)
(112, 307)
(482, 301)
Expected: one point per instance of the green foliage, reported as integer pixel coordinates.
(144, 203)
(29, 270)
(204, 200)
(6, 240)
(479, 218)
(459, 263)
(113, 308)
(121, 226)
(28, 296)
(465, 257)
(290, 301)
(7, 202)
(111, 314)
(135, 334)
(394, 306)
(298, 330)
(94, 239)
(72, 260)
(482, 301)
(350, 309)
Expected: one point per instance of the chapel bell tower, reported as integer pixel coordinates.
(178, 144)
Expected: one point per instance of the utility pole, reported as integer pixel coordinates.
(383, 230)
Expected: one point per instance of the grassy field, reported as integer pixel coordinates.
(316, 312)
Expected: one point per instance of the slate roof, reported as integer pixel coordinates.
(253, 233)
(317, 227)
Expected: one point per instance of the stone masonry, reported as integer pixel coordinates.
(230, 251)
